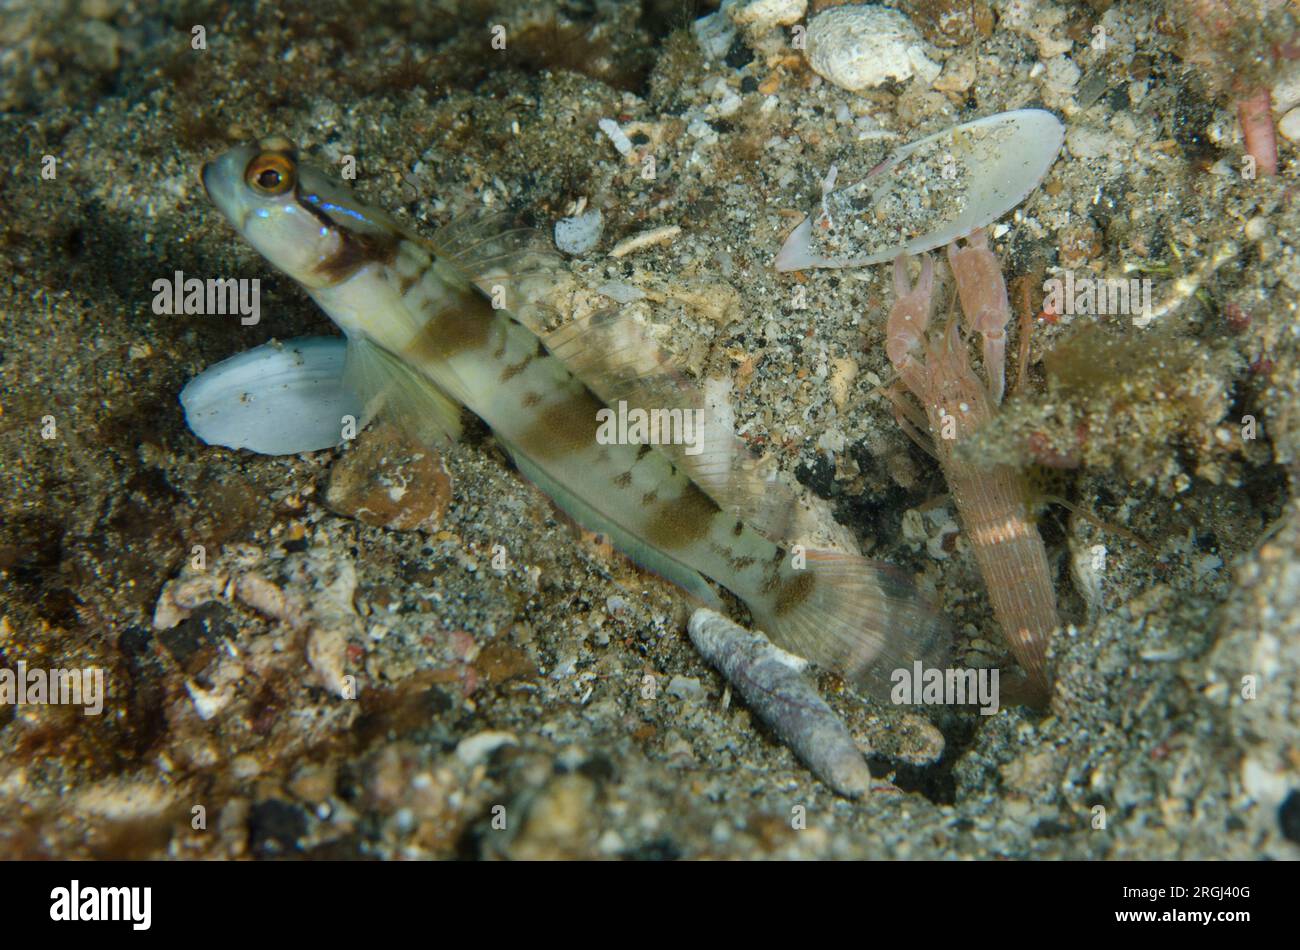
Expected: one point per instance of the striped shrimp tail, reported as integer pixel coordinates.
(859, 618)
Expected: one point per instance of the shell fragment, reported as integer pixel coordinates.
(275, 399)
(929, 193)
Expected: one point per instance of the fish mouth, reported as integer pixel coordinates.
(222, 192)
(222, 179)
(212, 176)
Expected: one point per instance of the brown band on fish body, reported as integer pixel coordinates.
(406, 281)
(567, 425)
(794, 592)
(741, 562)
(681, 520)
(355, 251)
(514, 369)
(462, 324)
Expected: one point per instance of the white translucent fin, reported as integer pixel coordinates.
(516, 265)
(862, 619)
(648, 557)
(389, 387)
(610, 352)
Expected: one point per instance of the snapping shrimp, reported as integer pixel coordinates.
(991, 500)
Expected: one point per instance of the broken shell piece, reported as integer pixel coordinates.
(863, 46)
(275, 399)
(929, 193)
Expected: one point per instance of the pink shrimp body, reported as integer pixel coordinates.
(984, 302)
(991, 500)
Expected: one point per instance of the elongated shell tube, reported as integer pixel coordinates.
(770, 681)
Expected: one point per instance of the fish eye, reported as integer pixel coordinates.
(271, 173)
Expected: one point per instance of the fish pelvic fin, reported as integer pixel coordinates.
(394, 391)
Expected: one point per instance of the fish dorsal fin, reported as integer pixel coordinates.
(610, 351)
(389, 388)
(515, 267)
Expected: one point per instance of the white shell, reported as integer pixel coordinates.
(929, 193)
(860, 47)
(275, 399)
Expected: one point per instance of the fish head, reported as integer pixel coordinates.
(293, 214)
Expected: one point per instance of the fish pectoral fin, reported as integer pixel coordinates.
(391, 389)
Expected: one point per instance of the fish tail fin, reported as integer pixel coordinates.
(859, 618)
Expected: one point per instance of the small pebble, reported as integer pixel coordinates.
(388, 483)
(685, 687)
(579, 234)
(714, 34)
(620, 292)
(645, 239)
(761, 15)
